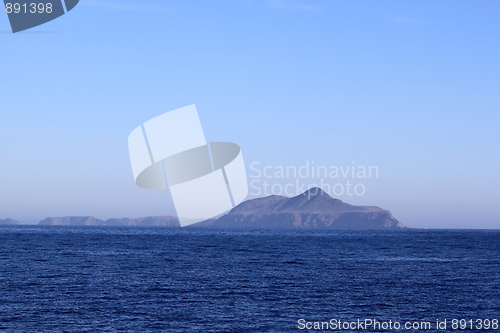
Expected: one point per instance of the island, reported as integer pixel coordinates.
(8, 222)
(153, 221)
(311, 209)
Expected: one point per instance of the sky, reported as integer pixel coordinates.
(409, 87)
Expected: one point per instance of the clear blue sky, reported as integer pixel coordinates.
(412, 87)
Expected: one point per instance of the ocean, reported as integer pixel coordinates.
(113, 279)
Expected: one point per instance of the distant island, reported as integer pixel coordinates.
(154, 221)
(311, 209)
(8, 222)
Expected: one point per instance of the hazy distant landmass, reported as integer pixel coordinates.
(71, 220)
(154, 221)
(8, 221)
(311, 209)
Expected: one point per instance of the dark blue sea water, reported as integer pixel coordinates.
(106, 279)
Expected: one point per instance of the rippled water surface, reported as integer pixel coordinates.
(107, 279)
